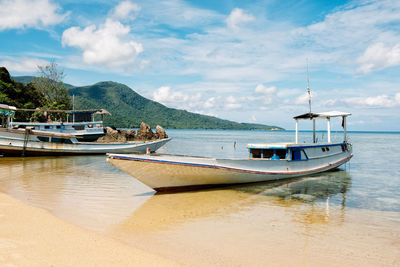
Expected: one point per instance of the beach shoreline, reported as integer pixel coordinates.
(30, 236)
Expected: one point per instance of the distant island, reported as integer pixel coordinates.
(129, 109)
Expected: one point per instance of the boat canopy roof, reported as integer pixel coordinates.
(7, 107)
(321, 115)
(269, 146)
(88, 111)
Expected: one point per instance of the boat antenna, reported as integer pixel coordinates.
(73, 108)
(308, 88)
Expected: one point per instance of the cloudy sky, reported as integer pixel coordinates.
(239, 60)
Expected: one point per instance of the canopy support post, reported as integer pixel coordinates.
(329, 128)
(297, 131)
(344, 129)
(314, 139)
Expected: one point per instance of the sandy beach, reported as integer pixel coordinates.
(30, 236)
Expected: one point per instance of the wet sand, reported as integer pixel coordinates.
(30, 236)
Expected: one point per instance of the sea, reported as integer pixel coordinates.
(346, 217)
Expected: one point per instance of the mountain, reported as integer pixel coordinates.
(27, 79)
(129, 109)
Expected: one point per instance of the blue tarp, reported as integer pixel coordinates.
(7, 112)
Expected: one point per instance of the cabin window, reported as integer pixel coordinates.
(78, 127)
(256, 153)
(47, 127)
(58, 126)
(281, 153)
(298, 154)
(43, 138)
(268, 153)
(90, 126)
(61, 140)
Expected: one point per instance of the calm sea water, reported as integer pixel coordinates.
(237, 225)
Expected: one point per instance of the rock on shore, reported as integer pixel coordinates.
(144, 133)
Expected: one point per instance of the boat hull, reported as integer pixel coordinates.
(17, 144)
(167, 172)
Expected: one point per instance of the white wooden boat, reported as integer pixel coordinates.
(80, 123)
(28, 141)
(266, 162)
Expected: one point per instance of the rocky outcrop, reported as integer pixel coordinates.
(143, 134)
(160, 133)
(113, 135)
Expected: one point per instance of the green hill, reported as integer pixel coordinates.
(129, 109)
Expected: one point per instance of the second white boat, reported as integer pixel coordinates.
(266, 162)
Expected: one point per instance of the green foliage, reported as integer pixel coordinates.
(41, 92)
(51, 86)
(16, 94)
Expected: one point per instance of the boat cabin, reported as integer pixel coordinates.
(80, 123)
(299, 152)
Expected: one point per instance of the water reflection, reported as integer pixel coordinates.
(83, 190)
(309, 189)
(311, 198)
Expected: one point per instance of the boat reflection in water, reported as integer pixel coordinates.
(311, 195)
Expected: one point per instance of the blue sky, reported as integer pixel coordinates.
(239, 60)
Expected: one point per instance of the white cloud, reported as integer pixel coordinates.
(178, 99)
(262, 89)
(23, 64)
(210, 102)
(378, 56)
(267, 94)
(178, 13)
(19, 14)
(237, 17)
(379, 101)
(232, 103)
(397, 98)
(109, 44)
(126, 10)
(303, 98)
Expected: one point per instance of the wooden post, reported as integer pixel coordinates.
(314, 139)
(329, 129)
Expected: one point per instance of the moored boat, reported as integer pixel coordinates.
(266, 162)
(38, 139)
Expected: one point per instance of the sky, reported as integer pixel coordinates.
(244, 61)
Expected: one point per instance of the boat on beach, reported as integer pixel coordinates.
(63, 138)
(266, 162)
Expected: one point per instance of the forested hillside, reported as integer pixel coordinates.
(129, 109)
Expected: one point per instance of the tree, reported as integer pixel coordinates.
(50, 84)
(16, 94)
